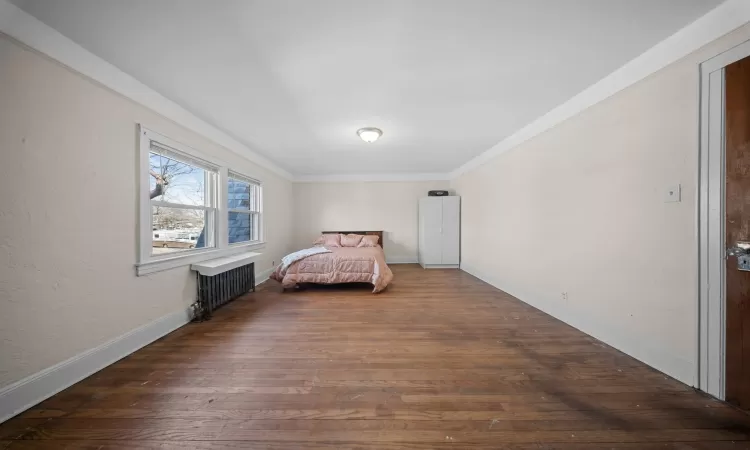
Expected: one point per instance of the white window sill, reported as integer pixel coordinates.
(216, 266)
(158, 265)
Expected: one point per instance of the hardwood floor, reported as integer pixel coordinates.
(439, 360)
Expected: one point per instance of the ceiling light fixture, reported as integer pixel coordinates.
(369, 134)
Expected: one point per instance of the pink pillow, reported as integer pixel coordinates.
(351, 240)
(369, 241)
(329, 240)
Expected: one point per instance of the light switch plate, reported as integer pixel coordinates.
(673, 194)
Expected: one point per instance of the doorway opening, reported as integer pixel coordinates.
(724, 224)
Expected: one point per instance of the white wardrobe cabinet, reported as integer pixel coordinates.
(439, 231)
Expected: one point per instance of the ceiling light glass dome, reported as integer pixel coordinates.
(369, 134)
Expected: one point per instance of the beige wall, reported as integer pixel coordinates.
(387, 206)
(580, 210)
(68, 215)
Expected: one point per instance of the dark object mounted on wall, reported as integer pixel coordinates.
(438, 193)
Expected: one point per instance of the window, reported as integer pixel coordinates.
(183, 201)
(191, 208)
(243, 202)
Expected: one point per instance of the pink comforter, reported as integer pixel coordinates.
(343, 265)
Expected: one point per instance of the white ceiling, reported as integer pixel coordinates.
(295, 79)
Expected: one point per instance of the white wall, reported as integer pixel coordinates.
(362, 206)
(580, 209)
(68, 215)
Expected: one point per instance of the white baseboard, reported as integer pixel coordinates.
(644, 350)
(401, 260)
(35, 388)
(262, 277)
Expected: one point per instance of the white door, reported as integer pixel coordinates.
(450, 230)
(430, 237)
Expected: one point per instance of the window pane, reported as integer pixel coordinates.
(243, 195)
(243, 227)
(179, 229)
(176, 182)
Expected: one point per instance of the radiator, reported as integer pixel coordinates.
(218, 290)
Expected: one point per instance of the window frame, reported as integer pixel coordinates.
(234, 175)
(211, 196)
(218, 193)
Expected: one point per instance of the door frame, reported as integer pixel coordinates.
(711, 217)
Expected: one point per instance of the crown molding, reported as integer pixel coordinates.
(378, 177)
(39, 36)
(726, 17)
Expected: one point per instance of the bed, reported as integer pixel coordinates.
(339, 264)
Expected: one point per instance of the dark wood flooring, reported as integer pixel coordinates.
(440, 360)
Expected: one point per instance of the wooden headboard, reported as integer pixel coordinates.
(366, 233)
